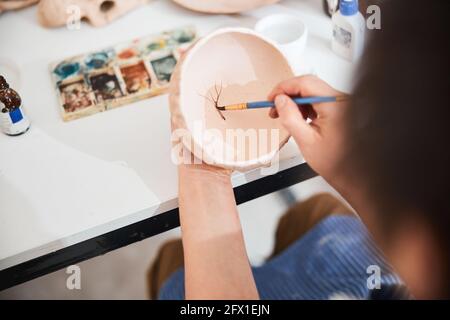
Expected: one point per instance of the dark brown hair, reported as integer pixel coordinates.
(399, 121)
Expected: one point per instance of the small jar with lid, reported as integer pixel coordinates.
(13, 120)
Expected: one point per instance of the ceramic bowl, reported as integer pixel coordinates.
(234, 65)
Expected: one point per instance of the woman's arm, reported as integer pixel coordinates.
(216, 262)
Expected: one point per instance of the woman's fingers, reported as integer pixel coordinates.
(292, 118)
(307, 111)
(303, 86)
(289, 87)
(299, 86)
(273, 113)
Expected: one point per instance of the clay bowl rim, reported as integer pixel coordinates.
(223, 11)
(262, 161)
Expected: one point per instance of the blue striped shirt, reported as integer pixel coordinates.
(334, 260)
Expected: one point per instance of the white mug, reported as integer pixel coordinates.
(288, 32)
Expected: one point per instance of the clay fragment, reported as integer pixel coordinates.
(53, 13)
(16, 4)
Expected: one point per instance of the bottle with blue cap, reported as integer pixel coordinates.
(13, 120)
(348, 31)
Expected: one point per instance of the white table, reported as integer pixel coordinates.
(124, 134)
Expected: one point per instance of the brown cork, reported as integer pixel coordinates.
(3, 83)
(9, 97)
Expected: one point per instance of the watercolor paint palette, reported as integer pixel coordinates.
(128, 72)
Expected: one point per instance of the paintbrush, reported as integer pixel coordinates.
(271, 104)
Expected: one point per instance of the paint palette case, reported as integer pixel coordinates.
(128, 72)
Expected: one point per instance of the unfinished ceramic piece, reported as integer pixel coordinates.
(229, 66)
(16, 4)
(53, 13)
(223, 6)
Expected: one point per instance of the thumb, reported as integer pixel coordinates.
(291, 118)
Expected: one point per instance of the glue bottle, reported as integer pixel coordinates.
(13, 120)
(348, 31)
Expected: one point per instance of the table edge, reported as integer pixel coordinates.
(140, 230)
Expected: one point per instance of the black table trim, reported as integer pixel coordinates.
(140, 230)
